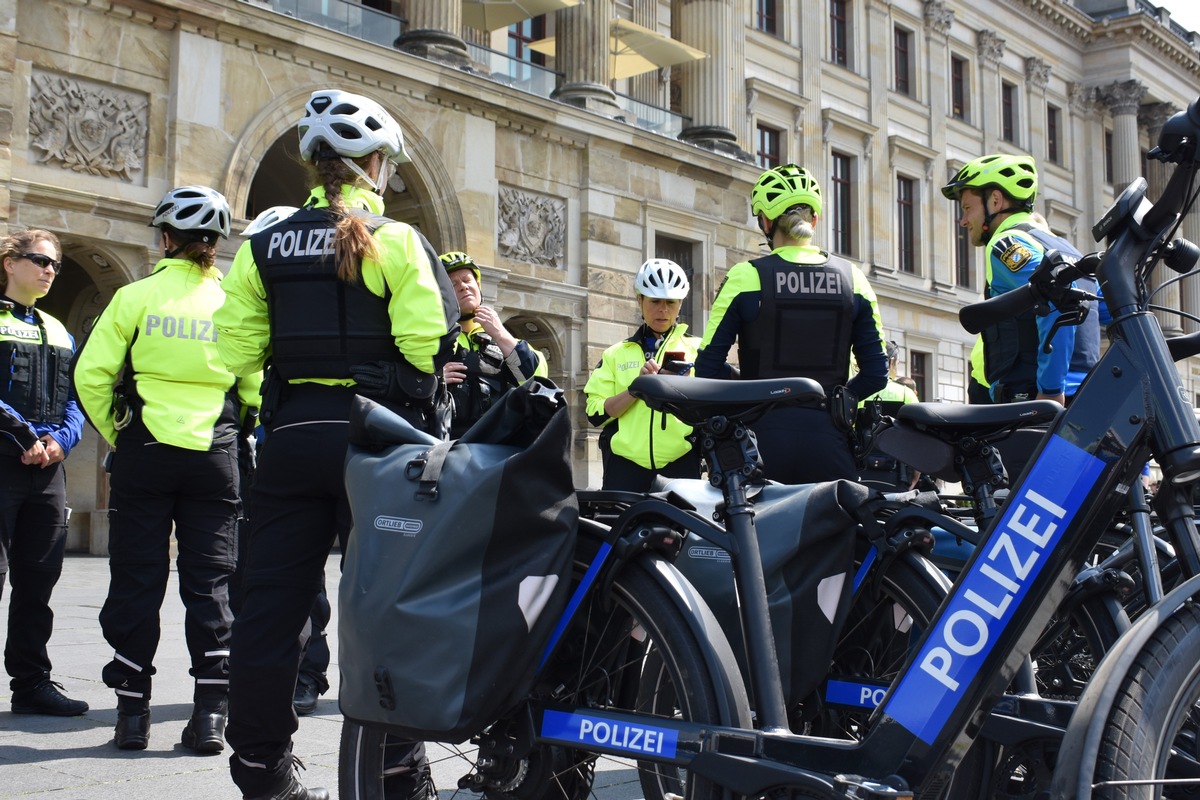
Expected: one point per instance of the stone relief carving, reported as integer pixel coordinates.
(1037, 72)
(938, 17)
(532, 227)
(991, 46)
(87, 127)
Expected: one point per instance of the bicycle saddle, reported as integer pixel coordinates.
(952, 419)
(693, 400)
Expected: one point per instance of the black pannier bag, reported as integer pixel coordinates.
(458, 563)
(806, 538)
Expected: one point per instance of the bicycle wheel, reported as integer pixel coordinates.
(631, 650)
(1153, 729)
(1067, 652)
(887, 617)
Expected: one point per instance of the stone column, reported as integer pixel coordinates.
(433, 32)
(1123, 99)
(8, 64)
(991, 50)
(941, 227)
(1154, 116)
(581, 52)
(1189, 288)
(712, 86)
(1037, 76)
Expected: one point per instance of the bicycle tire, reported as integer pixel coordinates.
(629, 650)
(1152, 728)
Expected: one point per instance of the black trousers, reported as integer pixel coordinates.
(33, 533)
(802, 445)
(314, 664)
(154, 487)
(299, 508)
(622, 474)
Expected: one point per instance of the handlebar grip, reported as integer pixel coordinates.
(977, 316)
(1182, 347)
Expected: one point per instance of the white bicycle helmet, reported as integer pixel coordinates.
(193, 208)
(351, 124)
(266, 219)
(662, 279)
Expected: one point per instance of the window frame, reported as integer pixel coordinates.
(841, 205)
(766, 16)
(1009, 116)
(907, 193)
(1054, 134)
(840, 28)
(903, 73)
(960, 88)
(761, 129)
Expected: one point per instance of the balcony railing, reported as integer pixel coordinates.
(349, 18)
(652, 118)
(523, 75)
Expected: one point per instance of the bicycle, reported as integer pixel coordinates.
(648, 675)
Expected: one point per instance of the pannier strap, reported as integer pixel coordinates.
(427, 468)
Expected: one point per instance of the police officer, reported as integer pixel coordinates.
(995, 194)
(894, 394)
(878, 469)
(341, 301)
(152, 383)
(488, 360)
(637, 442)
(39, 424)
(798, 312)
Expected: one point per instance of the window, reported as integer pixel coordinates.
(840, 209)
(1053, 128)
(918, 370)
(1108, 156)
(768, 154)
(680, 251)
(902, 44)
(520, 34)
(839, 32)
(964, 274)
(764, 16)
(1008, 112)
(958, 88)
(906, 224)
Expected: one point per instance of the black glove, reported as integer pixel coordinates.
(393, 381)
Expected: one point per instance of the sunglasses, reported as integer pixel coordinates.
(43, 261)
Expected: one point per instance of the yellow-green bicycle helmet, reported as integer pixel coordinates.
(782, 189)
(1016, 176)
(456, 260)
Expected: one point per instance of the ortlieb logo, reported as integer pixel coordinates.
(409, 527)
(708, 553)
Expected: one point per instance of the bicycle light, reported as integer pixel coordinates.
(1181, 256)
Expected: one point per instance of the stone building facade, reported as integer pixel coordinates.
(562, 178)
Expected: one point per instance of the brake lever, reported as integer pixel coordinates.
(1074, 314)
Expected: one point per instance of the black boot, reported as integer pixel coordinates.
(133, 723)
(292, 789)
(205, 731)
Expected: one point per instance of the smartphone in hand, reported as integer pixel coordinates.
(675, 363)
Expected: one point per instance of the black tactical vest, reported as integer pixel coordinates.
(804, 322)
(320, 324)
(38, 359)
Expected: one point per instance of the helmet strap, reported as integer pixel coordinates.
(376, 183)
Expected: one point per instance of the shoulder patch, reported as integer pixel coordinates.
(1013, 253)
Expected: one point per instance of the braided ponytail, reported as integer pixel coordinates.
(352, 240)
